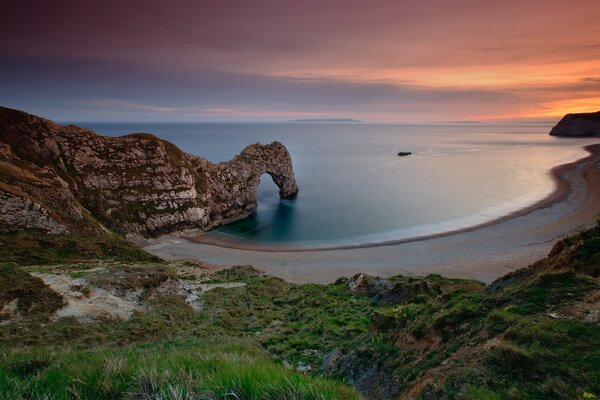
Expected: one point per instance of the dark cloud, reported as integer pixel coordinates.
(371, 60)
(89, 85)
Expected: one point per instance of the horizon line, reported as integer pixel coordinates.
(362, 122)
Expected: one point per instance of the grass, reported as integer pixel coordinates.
(32, 297)
(455, 340)
(180, 369)
(28, 248)
(535, 356)
(587, 255)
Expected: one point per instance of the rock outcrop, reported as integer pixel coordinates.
(20, 213)
(578, 125)
(61, 179)
(390, 292)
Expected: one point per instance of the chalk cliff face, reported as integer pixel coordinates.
(581, 125)
(58, 179)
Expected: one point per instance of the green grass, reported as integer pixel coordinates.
(27, 248)
(32, 297)
(458, 342)
(587, 256)
(536, 356)
(184, 369)
(315, 319)
(548, 290)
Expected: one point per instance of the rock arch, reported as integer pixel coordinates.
(133, 184)
(234, 183)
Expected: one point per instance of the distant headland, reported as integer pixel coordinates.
(578, 125)
(325, 120)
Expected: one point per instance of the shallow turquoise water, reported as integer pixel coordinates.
(354, 189)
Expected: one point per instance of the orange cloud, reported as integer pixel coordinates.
(561, 107)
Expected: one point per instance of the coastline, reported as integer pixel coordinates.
(561, 191)
(483, 252)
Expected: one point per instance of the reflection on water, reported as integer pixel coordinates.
(355, 189)
(265, 223)
(274, 218)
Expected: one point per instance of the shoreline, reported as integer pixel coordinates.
(561, 191)
(484, 252)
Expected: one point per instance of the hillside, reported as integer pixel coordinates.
(106, 329)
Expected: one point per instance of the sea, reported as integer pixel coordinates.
(355, 189)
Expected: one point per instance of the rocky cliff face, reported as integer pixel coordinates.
(582, 125)
(60, 179)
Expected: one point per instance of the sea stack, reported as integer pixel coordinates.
(578, 125)
(60, 179)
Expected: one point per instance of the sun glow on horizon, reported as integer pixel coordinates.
(562, 107)
(397, 62)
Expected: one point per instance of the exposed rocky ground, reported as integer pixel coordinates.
(65, 179)
(582, 125)
(112, 290)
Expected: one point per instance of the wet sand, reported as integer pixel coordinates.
(482, 252)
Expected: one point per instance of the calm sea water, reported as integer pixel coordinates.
(354, 189)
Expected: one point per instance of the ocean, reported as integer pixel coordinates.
(355, 189)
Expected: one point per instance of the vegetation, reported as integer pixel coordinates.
(31, 248)
(31, 295)
(180, 369)
(531, 335)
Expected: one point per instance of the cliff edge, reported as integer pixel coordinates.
(578, 125)
(64, 179)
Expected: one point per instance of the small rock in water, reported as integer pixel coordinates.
(404, 153)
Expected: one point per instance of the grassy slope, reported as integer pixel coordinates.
(176, 369)
(28, 248)
(523, 338)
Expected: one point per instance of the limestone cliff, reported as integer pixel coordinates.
(578, 125)
(60, 179)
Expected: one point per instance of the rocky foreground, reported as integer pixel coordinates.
(63, 180)
(123, 330)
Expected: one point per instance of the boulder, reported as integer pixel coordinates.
(391, 291)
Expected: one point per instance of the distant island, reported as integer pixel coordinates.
(450, 122)
(325, 120)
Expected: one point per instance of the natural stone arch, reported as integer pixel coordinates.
(234, 189)
(133, 184)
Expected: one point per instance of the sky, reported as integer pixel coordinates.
(378, 61)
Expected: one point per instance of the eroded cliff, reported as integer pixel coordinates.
(60, 179)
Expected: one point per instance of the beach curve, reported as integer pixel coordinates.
(488, 250)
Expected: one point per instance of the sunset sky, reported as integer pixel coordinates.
(394, 61)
